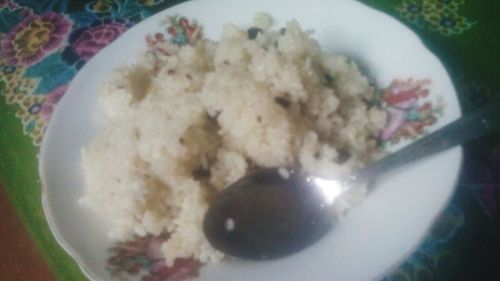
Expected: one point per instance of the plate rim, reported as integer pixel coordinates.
(85, 268)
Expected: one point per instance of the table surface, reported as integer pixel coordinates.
(20, 259)
(464, 243)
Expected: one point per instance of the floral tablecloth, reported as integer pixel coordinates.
(44, 43)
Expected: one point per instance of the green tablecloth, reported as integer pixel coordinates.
(44, 43)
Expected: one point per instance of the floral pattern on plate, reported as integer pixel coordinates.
(409, 117)
(143, 256)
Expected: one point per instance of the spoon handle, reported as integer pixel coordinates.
(460, 131)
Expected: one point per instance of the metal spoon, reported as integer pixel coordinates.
(277, 212)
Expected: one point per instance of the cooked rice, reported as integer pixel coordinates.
(183, 126)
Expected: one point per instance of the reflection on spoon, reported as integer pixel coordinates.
(276, 212)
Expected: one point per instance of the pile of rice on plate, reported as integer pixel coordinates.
(184, 126)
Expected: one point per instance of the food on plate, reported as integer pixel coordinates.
(184, 122)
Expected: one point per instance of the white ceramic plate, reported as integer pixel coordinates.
(374, 237)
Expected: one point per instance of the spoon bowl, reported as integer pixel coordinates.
(269, 214)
